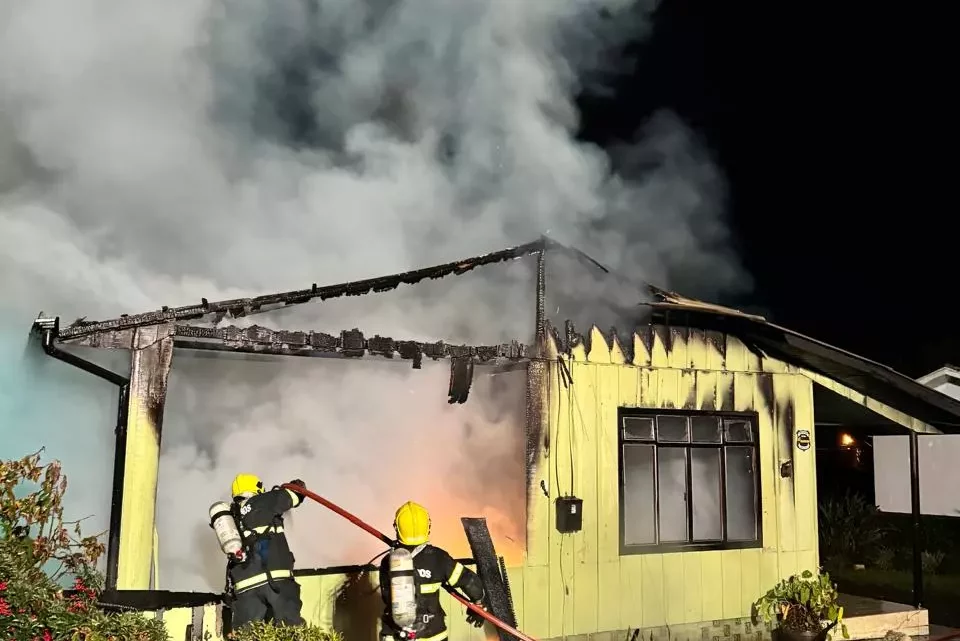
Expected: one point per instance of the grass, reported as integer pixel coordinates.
(941, 593)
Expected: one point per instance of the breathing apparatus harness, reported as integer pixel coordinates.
(255, 544)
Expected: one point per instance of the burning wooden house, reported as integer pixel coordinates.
(671, 475)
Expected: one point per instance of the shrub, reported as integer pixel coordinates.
(850, 529)
(931, 561)
(38, 554)
(883, 558)
(268, 632)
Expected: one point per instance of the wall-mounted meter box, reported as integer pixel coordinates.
(569, 514)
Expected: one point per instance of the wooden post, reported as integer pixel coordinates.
(151, 358)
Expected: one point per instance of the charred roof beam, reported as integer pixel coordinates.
(240, 307)
(348, 344)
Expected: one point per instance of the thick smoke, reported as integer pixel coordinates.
(159, 153)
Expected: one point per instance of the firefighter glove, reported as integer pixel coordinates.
(298, 483)
(475, 619)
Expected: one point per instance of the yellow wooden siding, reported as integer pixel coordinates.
(176, 622)
(596, 589)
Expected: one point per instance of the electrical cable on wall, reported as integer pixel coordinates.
(565, 379)
(570, 402)
(564, 375)
(583, 422)
(561, 382)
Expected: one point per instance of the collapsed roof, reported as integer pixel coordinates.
(867, 377)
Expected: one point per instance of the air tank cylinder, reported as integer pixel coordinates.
(225, 527)
(403, 589)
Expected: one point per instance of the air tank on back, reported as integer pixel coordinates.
(403, 589)
(225, 527)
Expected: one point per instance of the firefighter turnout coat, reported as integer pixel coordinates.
(433, 568)
(260, 521)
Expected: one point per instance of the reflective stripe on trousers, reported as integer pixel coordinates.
(259, 579)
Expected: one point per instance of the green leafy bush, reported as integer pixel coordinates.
(38, 554)
(259, 631)
(851, 530)
(802, 603)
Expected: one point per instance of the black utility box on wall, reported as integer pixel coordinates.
(569, 514)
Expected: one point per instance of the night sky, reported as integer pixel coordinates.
(838, 136)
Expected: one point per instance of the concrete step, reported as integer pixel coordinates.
(872, 618)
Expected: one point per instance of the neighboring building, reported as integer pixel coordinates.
(945, 380)
(705, 414)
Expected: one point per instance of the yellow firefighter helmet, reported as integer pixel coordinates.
(412, 524)
(246, 484)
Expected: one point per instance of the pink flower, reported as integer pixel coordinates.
(5, 608)
(47, 636)
(3, 586)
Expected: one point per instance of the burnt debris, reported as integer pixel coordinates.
(461, 379)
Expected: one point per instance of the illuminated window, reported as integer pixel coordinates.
(688, 481)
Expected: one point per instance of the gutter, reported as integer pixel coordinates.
(49, 330)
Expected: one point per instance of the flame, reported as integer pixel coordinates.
(508, 533)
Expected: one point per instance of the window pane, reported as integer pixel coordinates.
(672, 474)
(706, 429)
(738, 431)
(672, 429)
(639, 496)
(638, 428)
(705, 482)
(741, 494)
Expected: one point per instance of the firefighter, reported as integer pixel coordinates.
(431, 569)
(261, 585)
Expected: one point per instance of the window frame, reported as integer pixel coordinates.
(662, 548)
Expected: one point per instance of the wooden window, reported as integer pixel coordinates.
(688, 481)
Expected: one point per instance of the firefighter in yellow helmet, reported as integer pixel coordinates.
(432, 569)
(260, 585)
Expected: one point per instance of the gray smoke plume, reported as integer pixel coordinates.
(155, 154)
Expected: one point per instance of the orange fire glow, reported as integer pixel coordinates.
(447, 530)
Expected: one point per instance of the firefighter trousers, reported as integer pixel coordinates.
(262, 603)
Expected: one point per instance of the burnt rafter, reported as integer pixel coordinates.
(239, 307)
(349, 344)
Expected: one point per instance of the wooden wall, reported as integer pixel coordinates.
(577, 584)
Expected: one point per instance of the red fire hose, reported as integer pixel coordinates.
(369, 529)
